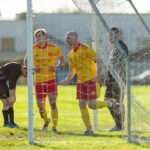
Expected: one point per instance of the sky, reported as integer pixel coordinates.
(9, 8)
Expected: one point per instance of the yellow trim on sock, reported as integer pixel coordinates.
(85, 117)
(54, 116)
(102, 104)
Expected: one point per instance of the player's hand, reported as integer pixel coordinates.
(37, 69)
(64, 82)
(53, 68)
(12, 100)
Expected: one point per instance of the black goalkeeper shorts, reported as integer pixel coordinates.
(4, 91)
(112, 88)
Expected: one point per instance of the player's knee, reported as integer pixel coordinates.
(42, 110)
(82, 104)
(53, 105)
(6, 103)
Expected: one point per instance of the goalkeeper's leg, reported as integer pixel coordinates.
(113, 91)
(118, 114)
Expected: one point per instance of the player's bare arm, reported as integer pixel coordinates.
(69, 77)
(60, 63)
(35, 69)
(99, 67)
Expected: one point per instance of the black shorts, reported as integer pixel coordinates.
(112, 88)
(4, 91)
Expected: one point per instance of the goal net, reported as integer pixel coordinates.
(135, 33)
(91, 31)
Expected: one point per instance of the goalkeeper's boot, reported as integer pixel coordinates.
(114, 104)
(54, 130)
(115, 129)
(45, 126)
(88, 132)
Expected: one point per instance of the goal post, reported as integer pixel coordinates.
(124, 15)
(139, 16)
(30, 70)
(128, 65)
(98, 20)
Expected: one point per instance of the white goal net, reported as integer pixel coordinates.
(136, 35)
(116, 13)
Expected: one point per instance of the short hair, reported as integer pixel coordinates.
(115, 29)
(72, 33)
(43, 31)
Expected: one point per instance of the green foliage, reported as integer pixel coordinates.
(7, 60)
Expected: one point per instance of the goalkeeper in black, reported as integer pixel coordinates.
(116, 80)
(9, 73)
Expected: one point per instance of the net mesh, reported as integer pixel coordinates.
(117, 13)
(120, 14)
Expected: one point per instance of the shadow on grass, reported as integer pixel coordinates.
(67, 133)
(101, 134)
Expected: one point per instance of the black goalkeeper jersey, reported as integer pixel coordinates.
(117, 64)
(116, 57)
(10, 72)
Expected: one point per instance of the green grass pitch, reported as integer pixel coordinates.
(70, 126)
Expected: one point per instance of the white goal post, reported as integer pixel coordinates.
(96, 8)
(29, 28)
(127, 62)
(96, 14)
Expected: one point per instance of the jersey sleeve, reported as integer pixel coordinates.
(91, 53)
(58, 52)
(70, 62)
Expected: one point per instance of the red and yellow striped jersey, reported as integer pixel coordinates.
(45, 57)
(81, 59)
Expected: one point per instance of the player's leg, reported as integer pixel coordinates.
(82, 96)
(4, 96)
(41, 101)
(119, 110)
(5, 111)
(11, 114)
(52, 95)
(113, 92)
(92, 96)
(43, 113)
(94, 104)
(54, 111)
(85, 117)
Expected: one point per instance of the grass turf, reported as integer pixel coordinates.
(70, 126)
